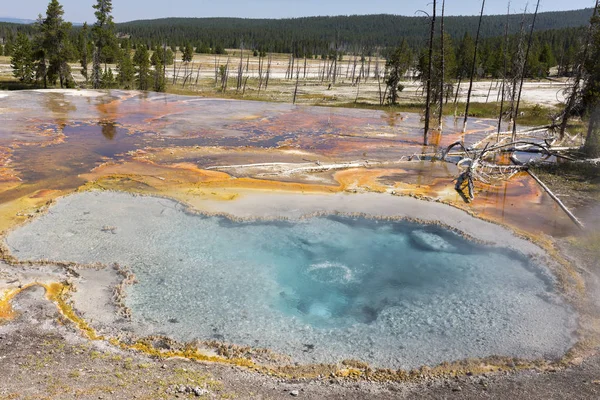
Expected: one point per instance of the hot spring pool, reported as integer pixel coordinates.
(323, 289)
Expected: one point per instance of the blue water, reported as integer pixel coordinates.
(394, 294)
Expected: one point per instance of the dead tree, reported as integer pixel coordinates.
(287, 71)
(240, 73)
(174, 64)
(297, 80)
(225, 76)
(380, 93)
(198, 73)
(268, 71)
(355, 61)
(473, 69)
(261, 62)
(216, 71)
(518, 65)
(430, 71)
(505, 68)
(516, 110)
(487, 98)
(188, 74)
(165, 63)
(443, 69)
(335, 57)
(305, 61)
(348, 68)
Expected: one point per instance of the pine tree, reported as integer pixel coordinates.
(188, 53)
(96, 69)
(126, 77)
(8, 45)
(169, 57)
(84, 50)
(104, 36)
(395, 68)
(55, 43)
(464, 56)
(142, 67)
(108, 79)
(40, 60)
(546, 60)
(159, 78)
(22, 59)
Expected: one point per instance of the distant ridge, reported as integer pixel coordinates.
(20, 21)
(17, 20)
(360, 31)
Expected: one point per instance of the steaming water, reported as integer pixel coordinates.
(395, 294)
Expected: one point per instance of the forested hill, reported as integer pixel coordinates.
(315, 33)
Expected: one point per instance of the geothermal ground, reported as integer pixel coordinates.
(251, 249)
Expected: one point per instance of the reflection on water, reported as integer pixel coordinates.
(109, 130)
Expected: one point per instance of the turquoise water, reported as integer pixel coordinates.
(394, 294)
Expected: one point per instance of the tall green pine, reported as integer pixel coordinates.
(22, 59)
(125, 69)
(104, 38)
(142, 67)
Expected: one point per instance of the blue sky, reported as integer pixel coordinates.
(126, 10)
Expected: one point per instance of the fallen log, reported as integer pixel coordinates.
(572, 216)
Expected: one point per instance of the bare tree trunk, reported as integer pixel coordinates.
(505, 61)
(225, 77)
(354, 68)
(174, 64)
(164, 64)
(198, 74)
(297, 79)
(380, 94)
(245, 83)
(239, 81)
(516, 114)
(456, 94)
(260, 72)
(517, 69)
(268, 71)
(443, 72)
(361, 74)
(305, 66)
(473, 69)
(216, 71)
(430, 69)
(287, 72)
(177, 73)
(348, 69)
(489, 91)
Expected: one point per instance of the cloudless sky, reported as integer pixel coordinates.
(127, 10)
